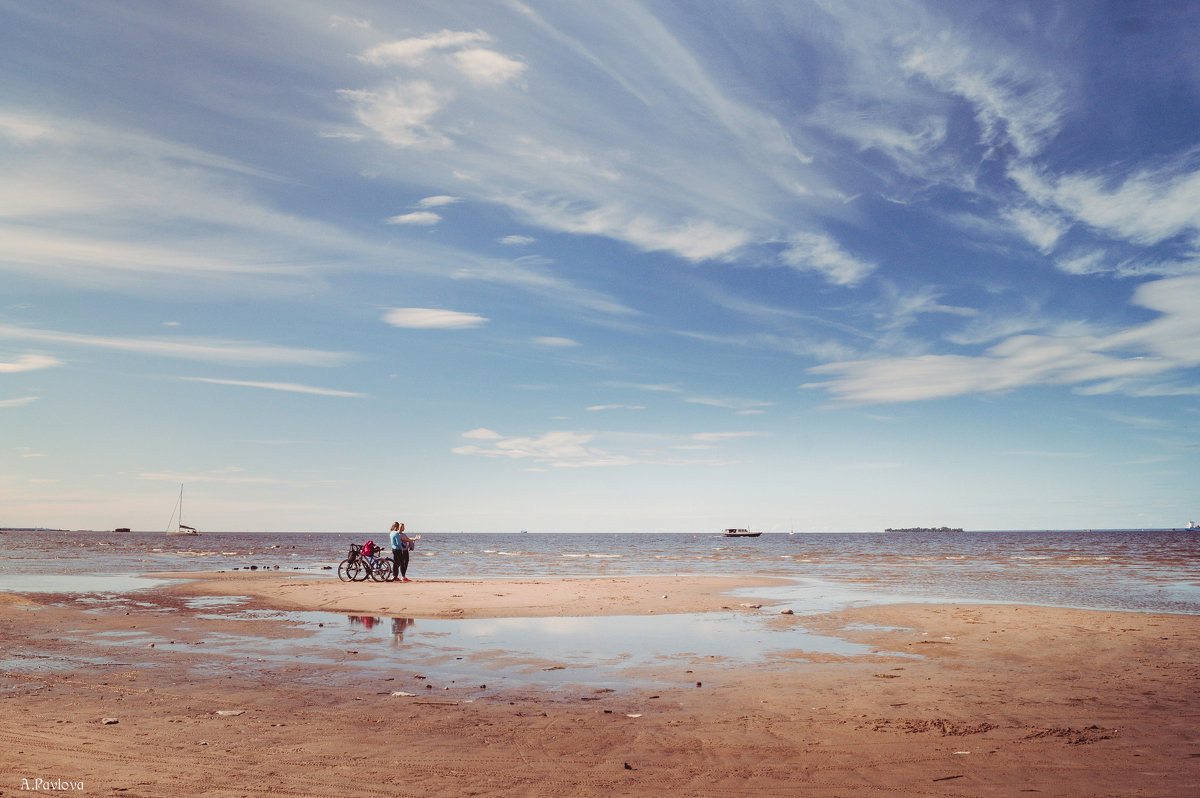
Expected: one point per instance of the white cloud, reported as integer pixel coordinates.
(353, 22)
(289, 387)
(1175, 335)
(529, 274)
(560, 449)
(438, 201)
(1082, 263)
(1146, 208)
(728, 402)
(820, 253)
(206, 349)
(1041, 228)
(902, 308)
(598, 408)
(487, 66)
(113, 208)
(597, 163)
(641, 386)
(29, 363)
(413, 51)
(401, 114)
(482, 433)
(516, 241)
(554, 341)
(1015, 103)
(19, 402)
(25, 128)
(576, 449)
(720, 437)
(433, 319)
(420, 218)
(1133, 361)
(694, 239)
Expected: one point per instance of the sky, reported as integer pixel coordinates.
(599, 267)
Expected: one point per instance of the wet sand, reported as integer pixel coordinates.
(960, 700)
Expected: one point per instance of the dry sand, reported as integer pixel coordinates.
(963, 700)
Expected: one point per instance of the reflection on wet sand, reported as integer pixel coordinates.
(399, 625)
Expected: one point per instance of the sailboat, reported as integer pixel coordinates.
(180, 528)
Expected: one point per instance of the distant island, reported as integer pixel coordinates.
(945, 529)
(30, 529)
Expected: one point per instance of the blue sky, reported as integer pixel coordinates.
(618, 266)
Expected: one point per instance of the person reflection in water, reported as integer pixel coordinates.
(398, 627)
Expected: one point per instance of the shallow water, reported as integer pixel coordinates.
(499, 652)
(1152, 570)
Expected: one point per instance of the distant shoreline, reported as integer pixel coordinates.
(955, 530)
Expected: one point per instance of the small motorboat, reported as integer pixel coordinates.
(741, 533)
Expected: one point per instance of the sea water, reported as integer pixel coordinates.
(1119, 570)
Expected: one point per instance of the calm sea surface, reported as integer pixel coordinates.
(1145, 570)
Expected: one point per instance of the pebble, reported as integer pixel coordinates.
(108, 721)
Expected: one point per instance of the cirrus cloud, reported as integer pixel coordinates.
(29, 363)
(433, 319)
(204, 349)
(289, 387)
(420, 218)
(1135, 361)
(413, 51)
(558, 448)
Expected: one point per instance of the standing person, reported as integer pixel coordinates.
(401, 545)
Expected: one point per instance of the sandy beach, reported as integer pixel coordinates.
(952, 700)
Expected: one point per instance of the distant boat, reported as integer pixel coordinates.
(741, 533)
(121, 530)
(1193, 525)
(180, 528)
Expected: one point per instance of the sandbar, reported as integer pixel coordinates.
(478, 598)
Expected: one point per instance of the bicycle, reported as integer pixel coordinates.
(358, 567)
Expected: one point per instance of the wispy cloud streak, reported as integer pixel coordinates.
(210, 350)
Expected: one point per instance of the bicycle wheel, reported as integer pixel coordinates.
(348, 571)
(382, 571)
(362, 572)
